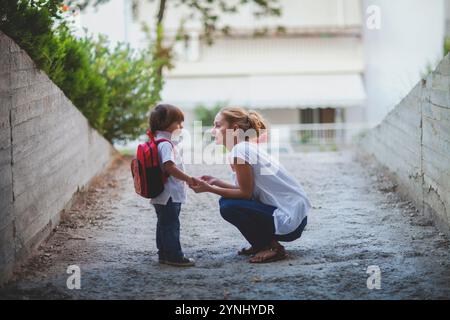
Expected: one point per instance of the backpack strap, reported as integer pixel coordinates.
(164, 140)
(151, 136)
(158, 141)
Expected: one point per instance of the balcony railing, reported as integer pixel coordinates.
(295, 137)
(320, 136)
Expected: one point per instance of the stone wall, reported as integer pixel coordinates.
(48, 152)
(413, 142)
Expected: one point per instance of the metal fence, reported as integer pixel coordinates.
(293, 138)
(320, 136)
(315, 136)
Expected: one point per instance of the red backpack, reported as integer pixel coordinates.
(147, 174)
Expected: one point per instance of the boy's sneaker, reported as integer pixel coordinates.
(181, 262)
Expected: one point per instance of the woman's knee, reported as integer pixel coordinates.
(227, 209)
(226, 204)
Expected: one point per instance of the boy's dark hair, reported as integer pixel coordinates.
(163, 115)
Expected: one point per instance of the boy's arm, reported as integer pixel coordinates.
(168, 162)
(172, 170)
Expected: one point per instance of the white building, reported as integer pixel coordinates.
(325, 67)
(409, 43)
(312, 72)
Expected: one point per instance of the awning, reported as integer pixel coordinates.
(267, 92)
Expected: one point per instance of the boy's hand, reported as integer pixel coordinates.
(201, 186)
(191, 181)
(196, 180)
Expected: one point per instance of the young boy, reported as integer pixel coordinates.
(164, 120)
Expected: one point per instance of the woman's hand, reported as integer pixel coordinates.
(210, 180)
(243, 189)
(200, 186)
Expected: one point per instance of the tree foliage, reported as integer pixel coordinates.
(129, 76)
(113, 88)
(209, 12)
(446, 46)
(206, 115)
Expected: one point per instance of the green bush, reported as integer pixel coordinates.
(111, 87)
(30, 24)
(446, 46)
(206, 115)
(128, 74)
(85, 87)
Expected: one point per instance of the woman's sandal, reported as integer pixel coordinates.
(247, 251)
(277, 254)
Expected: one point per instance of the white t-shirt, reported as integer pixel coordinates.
(274, 186)
(173, 187)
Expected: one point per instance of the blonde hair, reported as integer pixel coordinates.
(244, 119)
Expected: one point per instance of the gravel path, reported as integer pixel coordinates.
(357, 221)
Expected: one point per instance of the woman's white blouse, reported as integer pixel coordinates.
(274, 186)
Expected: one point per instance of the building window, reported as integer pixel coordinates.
(322, 115)
(306, 116)
(327, 115)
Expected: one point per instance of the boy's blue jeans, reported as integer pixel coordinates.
(255, 221)
(168, 230)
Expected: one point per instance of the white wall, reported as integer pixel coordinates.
(447, 13)
(283, 116)
(288, 55)
(109, 19)
(410, 38)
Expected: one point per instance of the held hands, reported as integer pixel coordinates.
(191, 181)
(209, 179)
(204, 184)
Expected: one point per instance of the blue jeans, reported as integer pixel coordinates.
(168, 230)
(255, 221)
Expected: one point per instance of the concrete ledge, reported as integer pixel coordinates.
(48, 152)
(413, 143)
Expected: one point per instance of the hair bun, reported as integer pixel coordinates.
(244, 119)
(257, 122)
